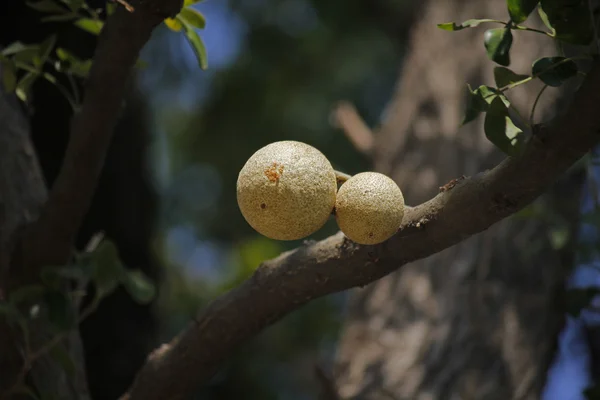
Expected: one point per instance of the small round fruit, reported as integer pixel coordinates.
(369, 208)
(286, 190)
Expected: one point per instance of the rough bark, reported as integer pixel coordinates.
(39, 229)
(119, 334)
(22, 194)
(478, 320)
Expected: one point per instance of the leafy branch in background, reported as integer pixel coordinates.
(57, 293)
(568, 22)
(23, 64)
(188, 20)
(99, 265)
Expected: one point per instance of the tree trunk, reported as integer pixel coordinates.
(479, 320)
(22, 193)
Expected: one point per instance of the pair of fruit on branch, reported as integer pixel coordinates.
(287, 190)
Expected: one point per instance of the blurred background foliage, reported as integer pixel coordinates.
(276, 69)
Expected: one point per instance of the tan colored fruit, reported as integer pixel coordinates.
(369, 208)
(286, 190)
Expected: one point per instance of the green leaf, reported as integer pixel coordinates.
(578, 299)
(60, 18)
(173, 24)
(21, 53)
(196, 43)
(470, 23)
(504, 76)
(14, 48)
(111, 7)
(61, 312)
(53, 276)
(559, 237)
(187, 3)
(519, 10)
(193, 17)
(92, 26)
(26, 293)
(47, 6)
(554, 71)
(544, 18)
(9, 74)
(569, 19)
(73, 64)
(44, 50)
(108, 269)
(475, 105)
(488, 94)
(497, 44)
(64, 359)
(74, 5)
(478, 101)
(499, 128)
(24, 85)
(139, 286)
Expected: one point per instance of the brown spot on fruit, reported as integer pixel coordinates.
(274, 172)
(263, 206)
(298, 205)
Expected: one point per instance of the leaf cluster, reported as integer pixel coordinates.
(568, 21)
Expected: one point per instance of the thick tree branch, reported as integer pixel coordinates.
(22, 195)
(285, 283)
(28, 242)
(51, 238)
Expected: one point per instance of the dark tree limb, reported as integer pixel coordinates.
(38, 229)
(22, 194)
(281, 285)
(51, 238)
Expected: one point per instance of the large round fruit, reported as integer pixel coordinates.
(287, 190)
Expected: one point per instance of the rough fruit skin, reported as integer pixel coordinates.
(287, 190)
(369, 208)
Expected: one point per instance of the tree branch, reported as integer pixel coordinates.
(281, 285)
(346, 117)
(50, 239)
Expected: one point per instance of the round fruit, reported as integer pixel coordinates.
(369, 208)
(286, 190)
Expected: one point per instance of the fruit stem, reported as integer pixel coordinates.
(341, 177)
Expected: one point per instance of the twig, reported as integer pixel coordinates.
(32, 356)
(125, 4)
(346, 117)
(94, 242)
(282, 285)
(535, 103)
(342, 177)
